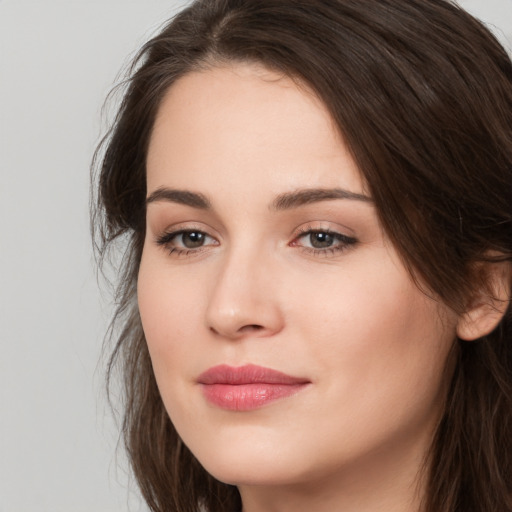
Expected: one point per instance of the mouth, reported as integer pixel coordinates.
(248, 387)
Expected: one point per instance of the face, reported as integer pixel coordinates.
(288, 341)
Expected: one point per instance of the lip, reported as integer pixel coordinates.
(248, 387)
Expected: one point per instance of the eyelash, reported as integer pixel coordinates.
(165, 240)
(344, 242)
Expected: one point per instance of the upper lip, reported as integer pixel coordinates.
(247, 374)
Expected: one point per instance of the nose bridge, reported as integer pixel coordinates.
(242, 300)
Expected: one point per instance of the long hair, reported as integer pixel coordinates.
(422, 93)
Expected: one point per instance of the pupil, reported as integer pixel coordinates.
(321, 240)
(193, 239)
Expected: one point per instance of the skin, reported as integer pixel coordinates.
(348, 318)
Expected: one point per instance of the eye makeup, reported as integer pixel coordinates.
(316, 241)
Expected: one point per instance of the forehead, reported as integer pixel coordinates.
(245, 122)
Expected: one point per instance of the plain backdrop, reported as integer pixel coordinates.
(58, 60)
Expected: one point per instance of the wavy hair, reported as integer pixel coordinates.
(422, 93)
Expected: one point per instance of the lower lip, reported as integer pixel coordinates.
(247, 397)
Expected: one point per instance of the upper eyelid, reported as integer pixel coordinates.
(172, 233)
(301, 230)
(180, 227)
(324, 226)
(335, 234)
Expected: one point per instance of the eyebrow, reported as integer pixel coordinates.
(193, 199)
(303, 197)
(286, 201)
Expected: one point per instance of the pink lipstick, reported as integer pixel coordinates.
(248, 387)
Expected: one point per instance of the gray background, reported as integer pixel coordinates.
(58, 60)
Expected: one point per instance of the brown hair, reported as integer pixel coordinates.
(422, 93)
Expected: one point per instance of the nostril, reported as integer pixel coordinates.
(246, 329)
(237, 333)
(251, 328)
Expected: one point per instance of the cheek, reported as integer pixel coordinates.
(169, 315)
(372, 330)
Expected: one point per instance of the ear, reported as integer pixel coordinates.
(489, 304)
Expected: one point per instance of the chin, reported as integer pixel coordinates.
(248, 462)
(256, 472)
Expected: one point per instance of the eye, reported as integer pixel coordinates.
(185, 241)
(323, 241)
(191, 239)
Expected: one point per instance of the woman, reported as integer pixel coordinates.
(314, 305)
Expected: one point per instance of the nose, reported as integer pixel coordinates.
(244, 300)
